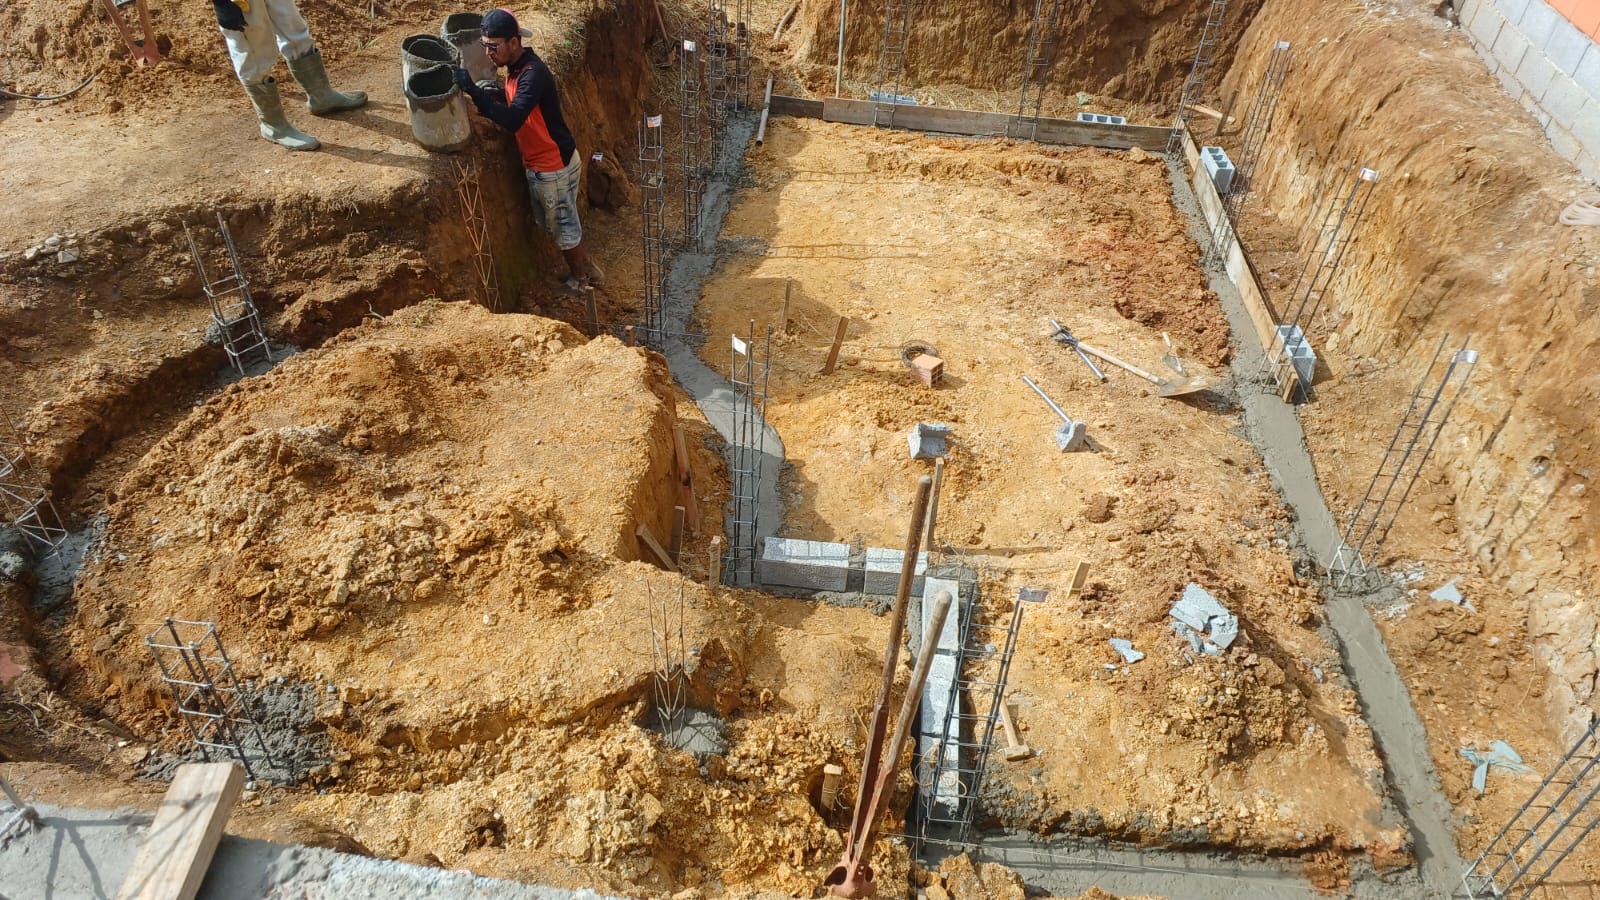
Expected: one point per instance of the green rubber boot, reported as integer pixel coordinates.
(275, 126)
(321, 98)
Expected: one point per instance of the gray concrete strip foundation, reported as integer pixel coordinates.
(81, 853)
(937, 693)
(1275, 430)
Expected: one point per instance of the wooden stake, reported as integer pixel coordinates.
(593, 310)
(830, 785)
(627, 336)
(676, 545)
(1080, 577)
(933, 502)
(714, 564)
(838, 341)
(178, 848)
(788, 288)
(649, 542)
(1227, 113)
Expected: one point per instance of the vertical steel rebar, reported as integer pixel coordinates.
(692, 121)
(1194, 86)
(1257, 124)
(652, 226)
(1043, 37)
(891, 61)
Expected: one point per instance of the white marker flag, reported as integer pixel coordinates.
(740, 347)
(652, 122)
(689, 46)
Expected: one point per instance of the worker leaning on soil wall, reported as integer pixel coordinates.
(256, 32)
(529, 107)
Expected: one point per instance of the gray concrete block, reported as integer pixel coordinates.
(1508, 80)
(883, 571)
(1219, 167)
(1589, 165)
(1564, 100)
(1486, 26)
(1531, 104)
(1468, 11)
(1567, 45)
(1512, 9)
(1509, 48)
(812, 565)
(1587, 128)
(1536, 72)
(932, 740)
(1563, 142)
(1587, 74)
(1101, 119)
(1537, 23)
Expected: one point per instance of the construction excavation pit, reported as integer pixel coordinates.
(1124, 449)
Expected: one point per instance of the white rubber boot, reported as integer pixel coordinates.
(275, 126)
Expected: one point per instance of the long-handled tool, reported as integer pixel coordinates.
(852, 877)
(1064, 336)
(1071, 435)
(143, 49)
(1165, 388)
(1171, 359)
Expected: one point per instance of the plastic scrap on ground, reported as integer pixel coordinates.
(1125, 647)
(927, 440)
(1499, 755)
(1198, 613)
(1452, 594)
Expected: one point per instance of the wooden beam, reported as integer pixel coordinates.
(680, 452)
(714, 564)
(676, 545)
(178, 848)
(1237, 264)
(649, 542)
(971, 122)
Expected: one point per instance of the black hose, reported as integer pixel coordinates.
(44, 97)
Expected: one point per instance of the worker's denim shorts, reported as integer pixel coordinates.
(555, 202)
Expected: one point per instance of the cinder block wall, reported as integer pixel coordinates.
(1547, 54)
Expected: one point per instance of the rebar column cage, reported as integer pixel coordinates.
(692, 130)
(1043, 36)
(749, 379)
(741, 40)
(669, 650)
(1340, 225)
(24, 500)
(652, 226)
(232, 309)
(719, 82)
(1408, 451)
(1257, 124)
(1545, 830)
(891, 61)
(469, 192)
(950, 784)
(211, 702)
(1194, 86)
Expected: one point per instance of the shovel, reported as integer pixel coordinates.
(1164, 388)
(1171, 359)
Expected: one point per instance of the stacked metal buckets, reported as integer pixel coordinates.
(438, 109)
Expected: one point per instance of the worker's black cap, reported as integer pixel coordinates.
(500, 23)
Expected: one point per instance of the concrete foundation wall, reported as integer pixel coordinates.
(1547, 57)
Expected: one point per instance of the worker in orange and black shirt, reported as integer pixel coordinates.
(530, 109)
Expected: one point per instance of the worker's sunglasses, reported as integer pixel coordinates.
(492, 46)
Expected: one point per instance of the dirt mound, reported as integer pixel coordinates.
(442, 459)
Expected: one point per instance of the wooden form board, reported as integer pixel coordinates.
(1262, 316)
(178, 848)
(971, 122)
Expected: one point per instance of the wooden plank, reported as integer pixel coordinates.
(714, 564)
(1237, 264)
(1151, 138)
(943, 120)
(796, 106)
(649, 542)
(680, 451)
(178, 848)
(676, 545)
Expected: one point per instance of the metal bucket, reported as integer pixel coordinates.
(463, 31)
(424, 51)
(438, 111)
